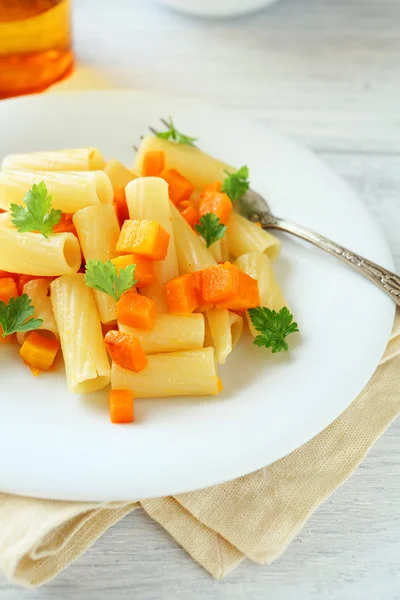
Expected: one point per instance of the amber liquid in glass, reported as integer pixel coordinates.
(35, 45)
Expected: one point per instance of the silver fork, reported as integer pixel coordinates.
(256, 208)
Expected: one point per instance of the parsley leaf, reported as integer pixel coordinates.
(14, 316)
(235, 185)
(37, 214)
(104, 277)
(274, 327)
(176, 136)
(210, 228)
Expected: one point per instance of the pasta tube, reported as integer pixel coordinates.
(37, 290)
(32, 254)
(70, 190)
(245, 236)
(98, 231)
(170, 333)
(224, 331)
(147, 198)
(191, 373)
(86, 363)
(258, 266)
(197, 166)
(216, 251)
(192, 254)
(74, 159)
(236, 323)
(119, 175)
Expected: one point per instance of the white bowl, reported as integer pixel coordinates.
(217, 8)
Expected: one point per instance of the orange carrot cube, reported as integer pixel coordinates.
(179, 188)
(220, 283)
(120, 202)
(153, 163)
(121, 406)
(125, 350)
(190, 213)
(8, 289)
(144, 272)
(212, 187)
(181, 295)
(202, 304)
(247, 296)
(217, 203)
(135, 310)
(146, 238)
(39, 351)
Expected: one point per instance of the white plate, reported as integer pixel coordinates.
(57, 445)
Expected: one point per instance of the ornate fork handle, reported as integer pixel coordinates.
(388, 282)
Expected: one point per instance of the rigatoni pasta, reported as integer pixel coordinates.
(78, 322)
(197, 166)
(98, 232)
(38, 291)
(118, 174)
(171, 333)
(191, 252)
(147, 198)
(73, 159)
(245, 236)
(191, 373)
(32, 254)
(70, 190)
(224, 331)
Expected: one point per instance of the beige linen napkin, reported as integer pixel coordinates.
(255, 516)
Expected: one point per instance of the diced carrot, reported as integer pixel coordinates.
(202, 304)
(179, 188)
(212, 187)
(136, 310)
(190, 213)
(146, 238)
(220, 283)
(65, 225)
(8, 289)
(121, 406)
(126, 351)
(144, 272)
(217, 203)
(247, 296)
(153, 163)
(181, 295)
(39, 351)
(122, 207)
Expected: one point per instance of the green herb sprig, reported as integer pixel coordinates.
(274, 327)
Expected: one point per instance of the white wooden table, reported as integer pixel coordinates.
(327, 72)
